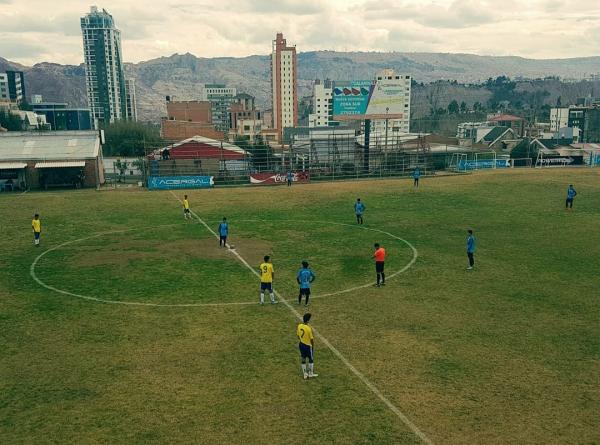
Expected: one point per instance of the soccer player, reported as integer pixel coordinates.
(571, 194)
(379, 256)
(306, 345)
(290, 178)
(305, 277)
(186, 208)
(416, 175)
(359, 209)
(470, 249)
(36, 225)
(267, 273)
(223, 232)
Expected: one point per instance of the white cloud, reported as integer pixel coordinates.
(39, 30)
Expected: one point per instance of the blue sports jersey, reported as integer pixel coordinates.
(223, 229)
(471, 244)
(290, 176)
(305, 277)
(359, 208)
(416, 174)
(571, 193)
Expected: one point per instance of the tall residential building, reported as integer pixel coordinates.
(131, 103)
(104, 76)
(221, 97)
(16, 86)
(390, 79)
(322, 104)
(284, 74)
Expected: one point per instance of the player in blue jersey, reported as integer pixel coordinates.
(223, 232)
(305, 277)
(471, 250)
(416, 175)
(359, 209)
(571, 194)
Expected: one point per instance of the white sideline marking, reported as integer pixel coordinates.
(326, 342)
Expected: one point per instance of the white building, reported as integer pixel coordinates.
(322, 104)
(131, 100)
(284, 72)
(392, 127)
(104, 76)
(559, 118)
(4, 95)
(221, 97)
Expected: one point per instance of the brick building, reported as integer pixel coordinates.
(186, 119)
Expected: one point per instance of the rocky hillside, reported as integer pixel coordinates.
(181, 75)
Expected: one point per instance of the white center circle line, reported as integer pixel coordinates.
(34, 276)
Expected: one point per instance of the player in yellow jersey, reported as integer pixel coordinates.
(267, 273)
(306, 345)
(186, 208)
(36, 225)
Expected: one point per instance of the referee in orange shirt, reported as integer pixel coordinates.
(379, 256)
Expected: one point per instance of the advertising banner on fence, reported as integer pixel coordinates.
(483, 163)
(558, 161)
(278, 178)
(180, 182)
(368, 99)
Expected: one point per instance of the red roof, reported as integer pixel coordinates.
(196, 150)
(505, 117)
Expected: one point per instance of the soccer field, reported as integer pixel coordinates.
(130, 325)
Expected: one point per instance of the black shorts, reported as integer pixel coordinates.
(266, 286)
(36, 235)
(305, 291)
(305, 351)
(223, 237)
(379, 265)
(186, 210)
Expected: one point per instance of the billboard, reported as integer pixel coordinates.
(370, 99)
(277, 178)
(483, 163)
(180, 182)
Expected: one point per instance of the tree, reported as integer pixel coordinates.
(127, 138)
(12, 122)
(262, 154)
(463, 107)
(453, 107)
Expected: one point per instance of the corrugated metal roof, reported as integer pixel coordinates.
(56, 145)
(60, 164)
(11, 165)
(204, 140)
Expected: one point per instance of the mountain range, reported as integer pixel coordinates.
(181, 75)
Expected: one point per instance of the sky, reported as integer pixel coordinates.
(35, 31)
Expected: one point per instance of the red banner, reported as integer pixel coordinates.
(278, 178)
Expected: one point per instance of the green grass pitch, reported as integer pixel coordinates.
(507, 353)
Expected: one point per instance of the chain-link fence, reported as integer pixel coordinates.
(326, 158)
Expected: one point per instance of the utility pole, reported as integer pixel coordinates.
(387, 109)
